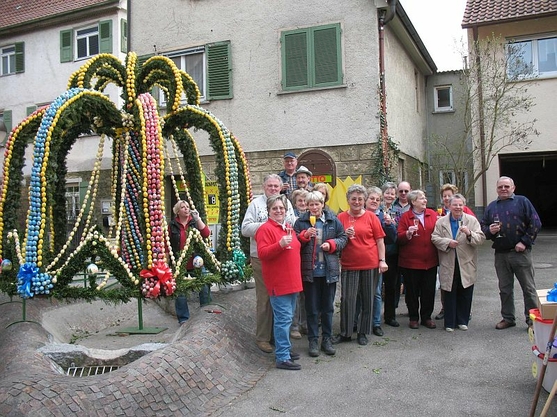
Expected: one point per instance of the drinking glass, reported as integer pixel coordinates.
(496, 220)
(312, 220)
(352, 221)
(416, 223)
(289, 233)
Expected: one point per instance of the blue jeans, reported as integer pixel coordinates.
(181, 303)
(283, 311)
(377, 303)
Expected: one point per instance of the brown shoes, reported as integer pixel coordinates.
(430, 324)
(295, 334)
(504, 324)
(414, 325)
(264, 346)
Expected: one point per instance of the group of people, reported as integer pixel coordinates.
(388, 239)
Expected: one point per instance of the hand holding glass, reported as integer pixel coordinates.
(288, 233)
(498, 223)
(352, 223)
(416, 223)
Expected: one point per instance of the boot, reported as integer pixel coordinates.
(327, 346)
(313, 348)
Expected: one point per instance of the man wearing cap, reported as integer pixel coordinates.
(303, 179)
(288, 174)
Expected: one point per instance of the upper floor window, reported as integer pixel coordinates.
(194, 62)
(311, 57)
(532, 57)
(443, 98)
(210, 67)
(5, 125)
(86, 42)
(12, 57)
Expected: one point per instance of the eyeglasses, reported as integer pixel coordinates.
(503, 186)
(404, 191)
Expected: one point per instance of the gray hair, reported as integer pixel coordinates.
(388, 185)
(356, 189)
(272, 176)
(414, 195)
(273, 199)
(315, 196)
(322, 185)
(374, 190)
(459, 197)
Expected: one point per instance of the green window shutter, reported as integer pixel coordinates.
(29, 110)
(123, 35)
(142, 58)
(105, 36)
(219, 71)
(326, 55)
(295, 69)
(66, 45)
(19, 57)
(7, 115)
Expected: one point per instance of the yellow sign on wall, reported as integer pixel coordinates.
(212, 202)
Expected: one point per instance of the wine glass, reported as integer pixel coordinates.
(416, 223)
(352, 221)
(498, 222)
(459, 224)
(312, 220)
(288, 233)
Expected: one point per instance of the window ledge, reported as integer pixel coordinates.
(443, 111)
(308, 90)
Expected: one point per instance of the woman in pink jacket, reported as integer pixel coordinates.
(417, 259)
(279, 253)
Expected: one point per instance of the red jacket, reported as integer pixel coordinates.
(281, 267)
(418, 252)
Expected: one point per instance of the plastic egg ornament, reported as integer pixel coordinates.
(6, 265)
(92, 269)
(197, 262)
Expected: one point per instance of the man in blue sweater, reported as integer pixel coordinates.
(512, 223)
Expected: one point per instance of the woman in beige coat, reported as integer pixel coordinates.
(456, 238)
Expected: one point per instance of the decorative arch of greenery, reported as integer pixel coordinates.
(137, 252)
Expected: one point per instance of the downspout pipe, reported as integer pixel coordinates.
(384, 17)
(129, 25)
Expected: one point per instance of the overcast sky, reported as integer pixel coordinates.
(438, 22)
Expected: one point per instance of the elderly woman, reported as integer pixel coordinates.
(457, 237)
(322, 237)
(417, 259)
(362, 260)
(178, 232)
(447, 192)
(298, 199)
(280, 263)
(373, 204)
(391, 278)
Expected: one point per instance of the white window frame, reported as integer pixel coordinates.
(8, 56)
(533, 60)
(181, 57)
(3, 135)
(87, 33)
(445, 174)
(437, 107)
(73, 198)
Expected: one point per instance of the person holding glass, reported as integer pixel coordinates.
(279, 252)
(457, 237)
(447, 192)
(417, 259)
(322, 237)
(362, 260)
(391, 278)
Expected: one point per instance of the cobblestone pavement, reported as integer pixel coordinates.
(212, 362)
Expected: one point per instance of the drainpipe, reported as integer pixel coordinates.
(481, 117)
(129, 25)
(384, 18)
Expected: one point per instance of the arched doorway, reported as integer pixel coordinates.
(321, 165)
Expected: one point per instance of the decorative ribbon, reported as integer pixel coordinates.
(163, 276)
(25, 276)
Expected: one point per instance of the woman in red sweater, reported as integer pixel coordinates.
(280, 263)
(417, 259)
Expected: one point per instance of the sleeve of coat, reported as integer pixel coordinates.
(441, 242)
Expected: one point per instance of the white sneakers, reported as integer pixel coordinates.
(460, 326)
(449, 329)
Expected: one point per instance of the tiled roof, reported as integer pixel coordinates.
(483, 12)
(16, 12)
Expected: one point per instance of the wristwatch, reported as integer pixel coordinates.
(381, 260)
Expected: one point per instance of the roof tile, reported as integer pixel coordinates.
(15, 12)
(483, 12)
